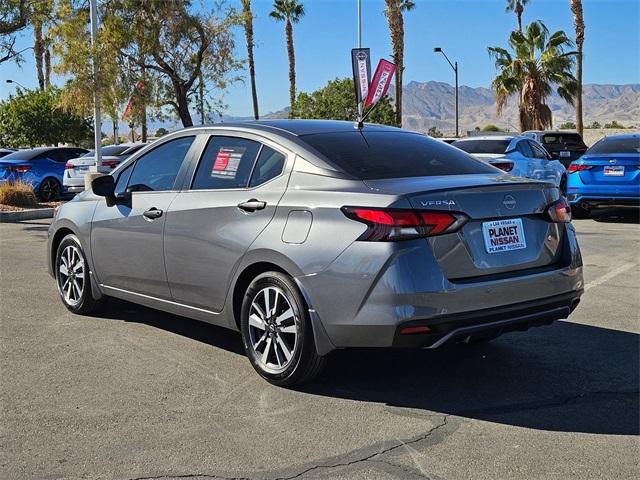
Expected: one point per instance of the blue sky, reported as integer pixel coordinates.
(464, 29)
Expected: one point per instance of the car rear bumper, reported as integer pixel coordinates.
(604, 200)
(364, 301)
(490, 322)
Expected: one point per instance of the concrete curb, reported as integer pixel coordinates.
(35, 214)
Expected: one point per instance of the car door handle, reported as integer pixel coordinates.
(153, 213)
(252, 205)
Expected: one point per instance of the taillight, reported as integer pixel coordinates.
(19, 168)
(504, 166)
(109, 163)
(392, 225)
(68, 166)
(578, 167)
(560, 211)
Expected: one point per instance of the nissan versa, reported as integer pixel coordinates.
(309, 236)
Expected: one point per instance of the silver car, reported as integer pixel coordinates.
(309, 236)
(517, 155)
(112, 155)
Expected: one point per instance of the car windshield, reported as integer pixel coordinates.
(564, 138)
(376, 154)
(615, 145)
(483, 146)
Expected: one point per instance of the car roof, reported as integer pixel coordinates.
(299, 127)
(489, 137)
(622, 136)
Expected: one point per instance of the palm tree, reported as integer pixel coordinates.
(539, 62)
(247, 21)
(393, 12)
(289, 12)
(517, 6)
(578, 26)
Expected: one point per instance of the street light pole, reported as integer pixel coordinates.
(97, 121)
(455, 69)
(17, 83)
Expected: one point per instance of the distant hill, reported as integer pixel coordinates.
(428, 104)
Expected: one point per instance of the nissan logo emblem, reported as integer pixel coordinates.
(509, 202)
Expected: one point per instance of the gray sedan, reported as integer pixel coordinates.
(309, 236)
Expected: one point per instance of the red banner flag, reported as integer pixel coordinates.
(127, 111)
(380, 83)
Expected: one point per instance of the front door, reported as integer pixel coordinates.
(126, 239)
(235, 190)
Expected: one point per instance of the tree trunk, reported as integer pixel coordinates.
(38, 51)
(47, 67)
(519, 9)
(578, 25)
(396, 29)
(248, 30)
(143, 106)
(201, 98)
(292, 68)
(182, 103)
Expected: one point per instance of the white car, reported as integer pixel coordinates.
(518, 155)
(112, 155)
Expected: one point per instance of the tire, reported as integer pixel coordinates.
(579, 212)
(278, 336)
(72, 277)
(49, 190)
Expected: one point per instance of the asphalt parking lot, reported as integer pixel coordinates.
(137, 393)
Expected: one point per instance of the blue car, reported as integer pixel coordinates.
(42, 167)
(608, 175)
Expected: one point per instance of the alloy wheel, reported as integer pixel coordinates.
(50, 190)
(273, 329)
(71, 275)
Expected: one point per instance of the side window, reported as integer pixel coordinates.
(226, 163)
(538, 152)
(158, 169)
(123, 179)
(268, 166)
(524, 148)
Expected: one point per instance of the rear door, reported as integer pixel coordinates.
(236, 186)
(551, 170)
(126, 239)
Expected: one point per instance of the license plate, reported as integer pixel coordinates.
(565, 154)
(614, 171)
(503, 235)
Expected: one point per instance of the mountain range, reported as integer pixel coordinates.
(429, 104)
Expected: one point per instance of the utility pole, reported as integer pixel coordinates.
(455, 69)
(359, 46)
(97, 120)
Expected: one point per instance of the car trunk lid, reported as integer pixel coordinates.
(611, 169)
(500, 202)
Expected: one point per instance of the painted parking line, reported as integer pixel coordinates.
(608, 276)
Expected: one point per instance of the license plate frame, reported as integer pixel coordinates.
(504, 235)
(614, 171)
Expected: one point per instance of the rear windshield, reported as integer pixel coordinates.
(483, 146)
(374, 155)
(565, 139)
(131, 150)
(616, 145)
(22, 155)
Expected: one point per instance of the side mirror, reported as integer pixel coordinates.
(104, 186)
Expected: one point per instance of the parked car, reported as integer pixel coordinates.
(520, 156)
(563, 146)
(310, 235)
(448, 140)
(6, 151)
(112, 155)
(607, 175)
(42, 167)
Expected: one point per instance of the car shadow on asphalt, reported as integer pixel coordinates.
(612, 215)
(564, 377)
